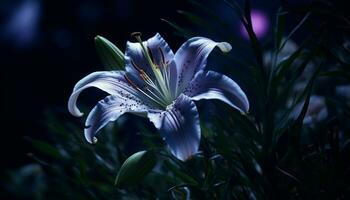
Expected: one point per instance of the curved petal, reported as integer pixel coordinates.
(111, 82)
(192, 57)
(110, 109)
(179, 126)
(212, 85)
(135, 59)
(156, 117)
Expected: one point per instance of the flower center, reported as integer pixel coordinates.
(158, 90)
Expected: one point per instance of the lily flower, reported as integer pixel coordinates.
(161, 86)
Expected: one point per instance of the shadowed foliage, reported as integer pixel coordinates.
(286, 147)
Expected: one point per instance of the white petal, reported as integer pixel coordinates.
(179, 126)
(159, 50)
(110, 109)
(192, 57)
(212, 85)
(111, 82)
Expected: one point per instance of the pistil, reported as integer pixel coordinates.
(162, 79)
(151, 96)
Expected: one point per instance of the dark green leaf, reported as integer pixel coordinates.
(184, 177)
(342, 54)
(294, 30)
(280, 25)
(337, 74)
(45, 148)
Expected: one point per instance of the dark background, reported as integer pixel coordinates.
(47, 46)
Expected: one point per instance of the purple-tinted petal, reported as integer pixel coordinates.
(156, 117)
(135, 58)
(110, 109)
(212, 85)
(179, 126)
(172, 70)
(192, 57)
(111, 82)
(160, 49)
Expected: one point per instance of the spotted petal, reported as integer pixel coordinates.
(110, 109)
(111, 82)
(179, 126)
(135, 58)
(192, 57)
(212, 85)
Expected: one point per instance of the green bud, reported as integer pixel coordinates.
(135, 168)
(112, 58)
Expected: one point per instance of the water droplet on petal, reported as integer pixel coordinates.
(94, 140)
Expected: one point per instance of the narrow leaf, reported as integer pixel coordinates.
(180, 31)
(280, 27)
(44, 148)
(295, 29)
(184, 177)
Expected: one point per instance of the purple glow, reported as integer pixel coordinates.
(260, 24)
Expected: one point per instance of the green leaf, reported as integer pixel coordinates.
(338, 73)
(253, 38)
(295, 127)
(341, 54)
(182, 176)
(112, 58)
(287, 64)
(180, 31)
(135, 168)
(44, 148)
(295, 29)
(280, 26)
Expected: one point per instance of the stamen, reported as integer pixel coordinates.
(146, 52)
(141, 72)
(137, 67)
(156, 96)
(160, 85)
(130, 82)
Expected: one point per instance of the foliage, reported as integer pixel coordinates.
(271, 153)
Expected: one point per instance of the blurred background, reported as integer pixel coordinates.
(47, 46)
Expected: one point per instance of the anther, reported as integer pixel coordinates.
(141, 72)
(136, 67)
(143, 76)
(135, 34)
